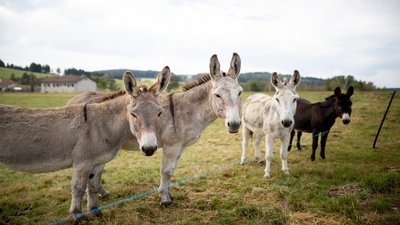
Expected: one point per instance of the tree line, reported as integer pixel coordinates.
(33, 67)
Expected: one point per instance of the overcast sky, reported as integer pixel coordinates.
(318, 38)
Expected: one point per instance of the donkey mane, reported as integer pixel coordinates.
(328, 101)
(117, 94)
(330, 97)
(111, 96)
(201, 79)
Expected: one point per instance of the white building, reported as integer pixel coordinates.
(58, 84)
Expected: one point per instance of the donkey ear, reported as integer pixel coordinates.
(162, 81)
(295, 80)
(337, 91)
(275, 81)
(130, 84)
(350, 91)
(215, 68)
(234, 69)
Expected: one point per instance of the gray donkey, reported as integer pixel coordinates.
(188, 113)
(82, 136)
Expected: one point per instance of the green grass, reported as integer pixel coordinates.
(5, 73)
(354, 185)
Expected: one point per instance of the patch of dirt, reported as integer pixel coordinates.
(310, 218)
(394, 169)
(347, 189)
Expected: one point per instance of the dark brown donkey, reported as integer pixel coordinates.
(318, 118)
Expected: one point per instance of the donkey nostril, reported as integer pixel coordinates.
(286, 123)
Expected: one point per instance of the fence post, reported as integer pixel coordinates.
(383, 119)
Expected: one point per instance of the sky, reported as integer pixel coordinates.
(319, 38)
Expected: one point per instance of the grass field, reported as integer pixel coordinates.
(5, 73)
(354, 185)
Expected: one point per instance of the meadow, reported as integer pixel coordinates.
(5, 73)
(356, 184)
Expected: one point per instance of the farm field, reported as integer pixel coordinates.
(354, 185)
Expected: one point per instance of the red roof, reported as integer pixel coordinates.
(62, 79)
(7, 82)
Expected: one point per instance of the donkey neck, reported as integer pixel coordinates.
(193, 109)
(109, 120)
(327, 109)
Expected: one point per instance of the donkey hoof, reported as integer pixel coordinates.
(322, 157)
(241, 162)
(166, 203)
(261, 162)
(266, 175)
(312, 158)
(286, 173)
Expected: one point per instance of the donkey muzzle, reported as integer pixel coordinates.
(346, 118)
(149, 150)
(233, 127)
(286, 123)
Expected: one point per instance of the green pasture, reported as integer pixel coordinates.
(354, 185)
(5, 73)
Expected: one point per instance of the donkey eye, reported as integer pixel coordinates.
(134, 115)
(240, 93)
(277, 100)
(294, 100)
(159, 114)
(217, 95)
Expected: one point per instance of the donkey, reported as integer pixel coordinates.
(82, 136)
(272, 117)
(318, 118)
(188, 113)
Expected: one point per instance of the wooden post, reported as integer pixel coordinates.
(383, 119)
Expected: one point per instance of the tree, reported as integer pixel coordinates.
(2, 63)
(58, 70)
(45, 69)
(13, 77)
(25, 79)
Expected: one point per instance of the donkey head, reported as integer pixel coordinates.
(343, 104)
(225, 98)
(286, 98)
(144, 109)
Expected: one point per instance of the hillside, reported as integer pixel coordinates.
(5, 73)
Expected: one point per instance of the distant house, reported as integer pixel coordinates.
(7, 85)
(67, 84)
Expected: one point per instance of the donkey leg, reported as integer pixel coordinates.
(245, 139)
(268, 154)
(80, 177)
(257, 148)
(284, 153)
(299, 133)
(171, 156)
(315, 135)
(98, 172)
(94, 186)
(324, 137)
(291, 139)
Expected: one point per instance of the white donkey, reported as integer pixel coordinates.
(82, 136)
(188, 113)
(272, 117)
